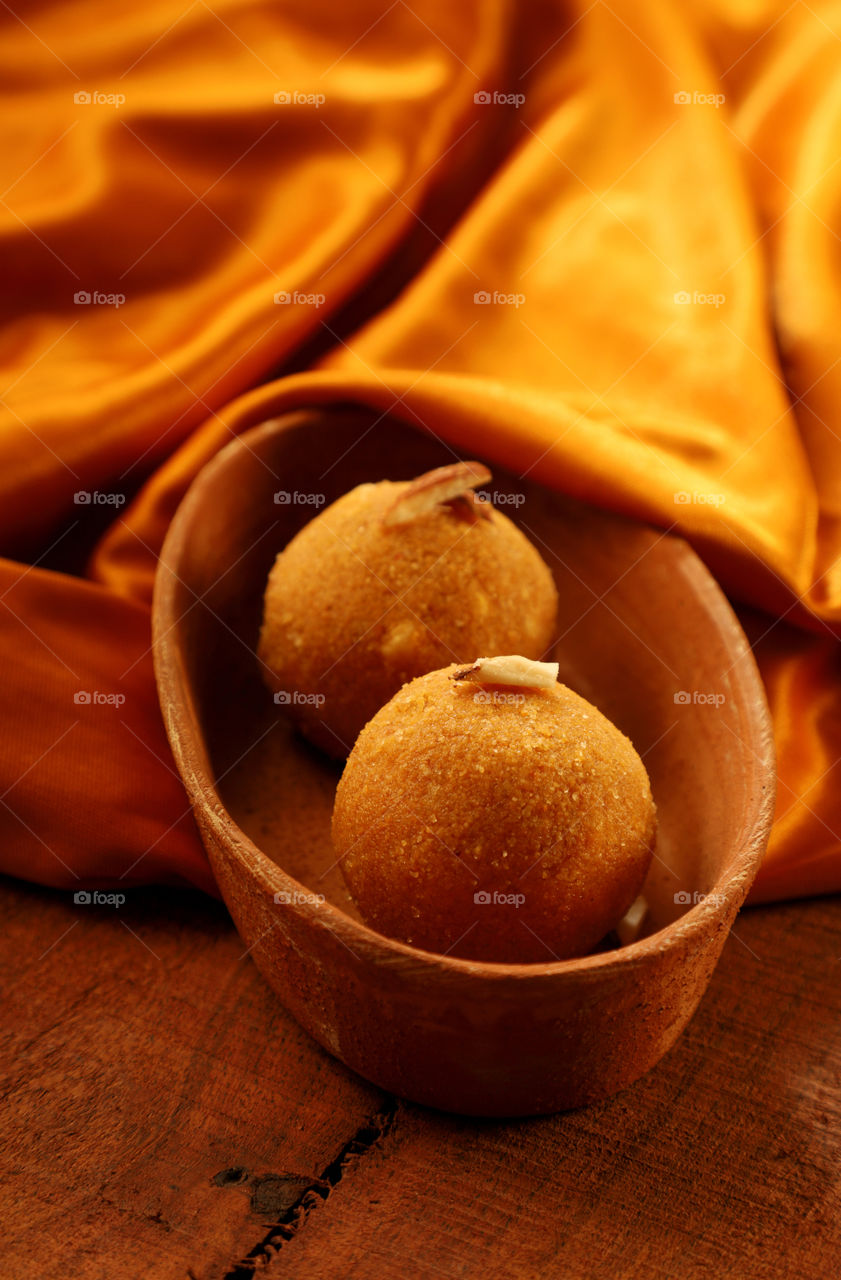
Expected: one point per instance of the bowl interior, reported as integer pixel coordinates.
(643, 633)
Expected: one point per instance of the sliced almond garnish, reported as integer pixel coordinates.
(628, 928)
(435, 488)
(511, 670)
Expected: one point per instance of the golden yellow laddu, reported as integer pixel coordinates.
(393, 580)
(489, 812)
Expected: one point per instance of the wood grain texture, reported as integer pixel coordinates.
(143, 1058)
(162, 1110)
(723, 1161)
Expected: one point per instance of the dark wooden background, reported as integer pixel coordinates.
(164, 1117)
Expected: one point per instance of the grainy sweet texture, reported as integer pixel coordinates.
(386, 584)
(493, 822)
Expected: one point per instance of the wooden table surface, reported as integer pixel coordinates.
(164, 1117)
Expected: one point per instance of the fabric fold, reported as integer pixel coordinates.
(593, 243)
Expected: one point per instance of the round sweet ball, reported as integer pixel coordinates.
(489, 812)
(391, 581)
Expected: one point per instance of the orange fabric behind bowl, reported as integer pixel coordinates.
(597, 243)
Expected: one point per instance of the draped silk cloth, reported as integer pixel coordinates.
(595, 242)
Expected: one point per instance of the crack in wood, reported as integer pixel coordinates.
(315, 1193)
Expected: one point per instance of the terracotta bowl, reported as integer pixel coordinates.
(644, 633)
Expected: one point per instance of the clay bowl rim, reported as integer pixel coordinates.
(389, 952)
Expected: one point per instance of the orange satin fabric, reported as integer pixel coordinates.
(651, 197)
